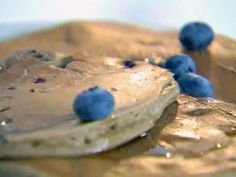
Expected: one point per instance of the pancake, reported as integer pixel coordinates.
(43, 123)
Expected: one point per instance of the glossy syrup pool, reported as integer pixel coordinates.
(195, 140)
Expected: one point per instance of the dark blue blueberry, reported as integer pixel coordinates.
(33, 51)
(39, 80)
(180, 64)
(94, 104)
(129, 64)
(196, 36)
(195, 85)
(36, 53)
(39, 55)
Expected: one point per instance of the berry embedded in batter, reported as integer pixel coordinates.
(129, 64)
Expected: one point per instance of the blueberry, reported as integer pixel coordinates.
(94, 104)
(129, 64)
(39, 80)
(180, 64)
(196, 36)
(39, 55)
(195, 85)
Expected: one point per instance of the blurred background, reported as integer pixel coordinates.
(21, 16)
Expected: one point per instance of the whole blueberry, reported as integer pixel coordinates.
(180, 64)
(196, 36)
(93, 104)
(195, 85)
